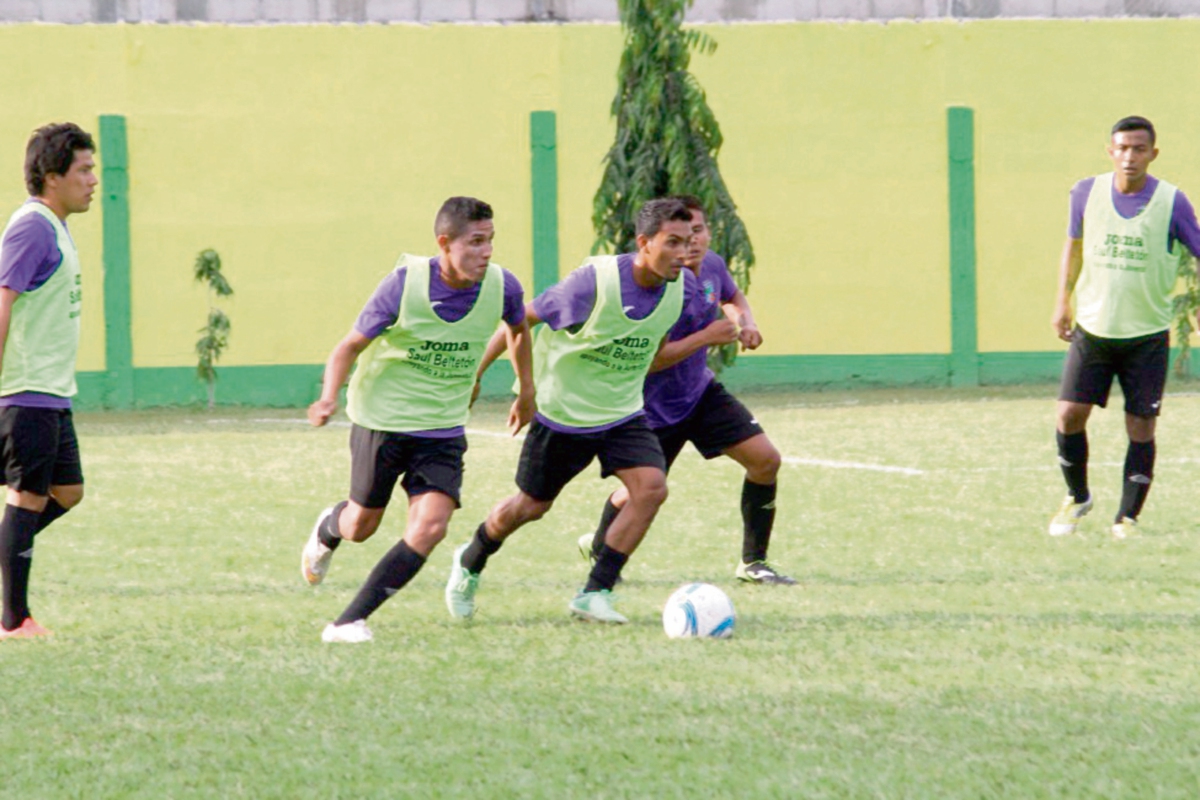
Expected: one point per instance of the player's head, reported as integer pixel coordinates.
(464, 231)
(1132, 147)
(701, 233)
(60, 168)
(663, 233)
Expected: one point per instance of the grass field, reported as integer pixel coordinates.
(940, 643)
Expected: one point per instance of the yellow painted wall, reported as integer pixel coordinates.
(311, 156)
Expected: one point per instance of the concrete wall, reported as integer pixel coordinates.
(425, 11)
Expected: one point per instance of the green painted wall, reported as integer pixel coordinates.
(310, 157)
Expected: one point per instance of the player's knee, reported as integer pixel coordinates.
(530, 510)
(426, 535)
(765, 468)
(68, 496)
(652, 493)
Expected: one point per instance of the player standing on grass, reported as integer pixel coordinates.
(1120, 263)
(40, 300)
(604, 323)
(420, 336)
(685, 403)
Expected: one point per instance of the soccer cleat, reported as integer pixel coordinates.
(596, 607)
(351, 633)
(1124, 528)
(26, 630)
(762, 572)
(315, 557)
(585, 547)
(461, 587)
(1067, 518)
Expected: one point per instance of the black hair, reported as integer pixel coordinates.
(1135, 124)
(51, 150)
(457, 213)
(654, 213)
(692, 203)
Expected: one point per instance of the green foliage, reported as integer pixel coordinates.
(667, 138)
(1186, 303)
(215, 334)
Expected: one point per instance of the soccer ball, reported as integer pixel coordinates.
(698, 610)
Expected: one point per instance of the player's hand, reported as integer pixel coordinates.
(521, 413)
(320, 412)
(475, 390)
(1062, 323)
(721, 331)
(750, 337)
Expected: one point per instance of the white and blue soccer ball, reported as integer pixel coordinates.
(699, 610)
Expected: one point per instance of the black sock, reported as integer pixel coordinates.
(328, 533)
(51, 512)
(1139, 472)
(606, 570)
(758, 519)
(396, 568)
(482, 546)
(606, 520)
(17, 529)
(1073, 458)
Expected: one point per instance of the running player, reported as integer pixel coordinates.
(40, 300)
(418, 341)
(1120, 263)
(604, 323)
(685, 403)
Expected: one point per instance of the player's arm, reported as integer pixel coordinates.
(520, 350)
(7, 298)
(1070, 265)
(337, 370)
(738, 309)
(718, 332)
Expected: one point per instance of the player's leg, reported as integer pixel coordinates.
(66, 487)
(375, 466)
(1086, 380)
(433, 471)
(549, 461)
(1143, 377)
(761, 460)
(632, 452)
(671, 439)
(30, 438)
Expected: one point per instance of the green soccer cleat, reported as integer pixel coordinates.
(1124, 528)
(596, 607)
(461, 587)
(762, 572)
(1067, 519)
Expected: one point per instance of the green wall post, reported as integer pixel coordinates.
(118, 337)
(543, 146)
(964, 343)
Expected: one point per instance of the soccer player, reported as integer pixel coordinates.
(1120, 262)
(685, 403)
(40, 300)
(418, 341)
(604, 323)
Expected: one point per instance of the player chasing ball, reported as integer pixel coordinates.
(1120, 263)
(603, 325)
(685, 403)
(40, 301)
(418, 342)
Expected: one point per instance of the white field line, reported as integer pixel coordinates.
(344, 424)
(821, 462)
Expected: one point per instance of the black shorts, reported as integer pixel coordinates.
(40, 449)
(550, 459)
(378, 458)
(1139, 364)
(719, 421)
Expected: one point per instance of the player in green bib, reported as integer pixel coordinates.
(603, 325)
(418, 344)
(40, 301)
(1120, 264)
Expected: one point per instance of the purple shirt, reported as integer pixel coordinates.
(1183, 227)
(28, 258)
(672, 394)
(568, 304)
(450, 304)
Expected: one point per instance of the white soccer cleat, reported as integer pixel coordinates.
(1067, 519)
(315, 557)
(1125, 528)
(351, 633)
